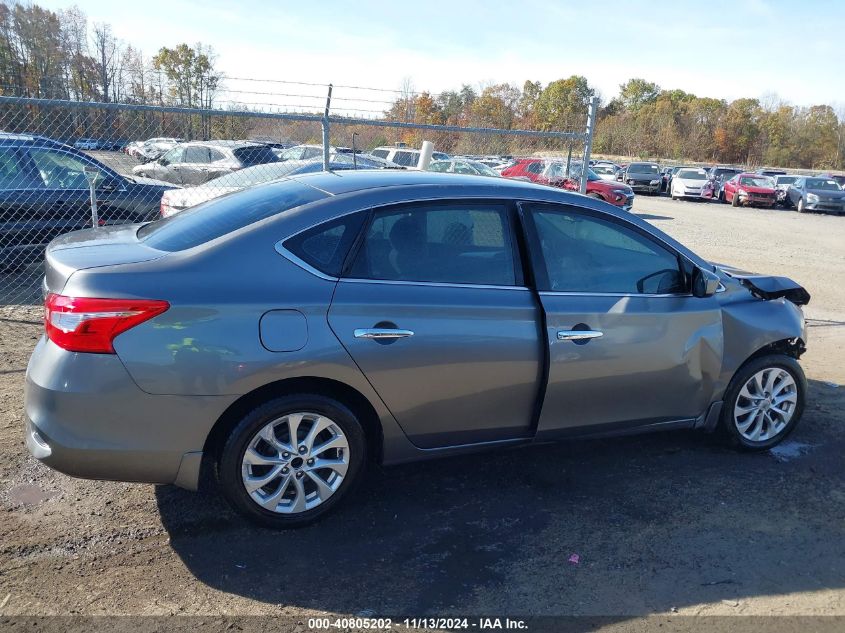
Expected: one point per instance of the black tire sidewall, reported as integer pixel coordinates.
(231, 457)
(738, 381)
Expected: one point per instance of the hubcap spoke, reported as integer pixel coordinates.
(324, 490)
(254, 483)
(299, 501)
(338, 441)
(337, 465)
(320, 425)
(254, 458)
(271, 502)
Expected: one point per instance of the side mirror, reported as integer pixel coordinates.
(705, 283)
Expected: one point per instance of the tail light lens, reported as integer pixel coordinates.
(82, 324)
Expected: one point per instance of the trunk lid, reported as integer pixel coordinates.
(94, 248)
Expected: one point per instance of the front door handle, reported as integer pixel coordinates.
(382, 333)
(578, 335)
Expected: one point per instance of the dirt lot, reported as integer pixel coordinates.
(661, 524)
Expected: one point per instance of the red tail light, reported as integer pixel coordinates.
(81, 324)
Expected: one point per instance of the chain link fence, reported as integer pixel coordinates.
(68, 165)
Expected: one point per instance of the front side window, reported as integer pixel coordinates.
(447, 243)
(587, 254)
(59, 170)
(173, 156)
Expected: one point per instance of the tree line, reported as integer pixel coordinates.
(59, 55)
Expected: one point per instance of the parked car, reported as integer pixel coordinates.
(44, 193)
(816, 194)
(642, 177)
(299, 152)
(152, 148)
(553, 173)
(198, 162)
(288, 334)
(771, 173)
(782, 184)
(404, 156)
(688, 183)
(605, 171)
(463, 166)
(721, 173)
(748, 189)
(176, 200)
(86, 143)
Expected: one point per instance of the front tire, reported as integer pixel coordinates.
(292, 460)
(735, 200)
(764, 402)
(800, 206)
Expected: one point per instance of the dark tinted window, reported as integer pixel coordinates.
(215, 155)
(406, 159)
(534, 168)
(223, 215)
(585, 254)
(258, 155)
(461, 243)
(381, 153)
(325, 246)
(59, 170)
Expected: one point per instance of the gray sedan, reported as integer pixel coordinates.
(285, 335)
(815, 194)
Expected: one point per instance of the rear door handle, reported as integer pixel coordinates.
(382, 333)
(578, 335)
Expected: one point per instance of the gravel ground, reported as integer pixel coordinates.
(662, 524)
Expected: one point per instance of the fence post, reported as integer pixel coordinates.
(325, 123)
(588, 142)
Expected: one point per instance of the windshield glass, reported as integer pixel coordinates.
(481, 168)
(604, 169)
(643, 168)
(756, 181)
(786, 180)
(692, 174)
(822, 183)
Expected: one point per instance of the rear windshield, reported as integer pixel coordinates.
(692, 174)
(643, 168)
(220, 216)
(255, 155)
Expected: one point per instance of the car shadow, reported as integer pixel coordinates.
(657, 521)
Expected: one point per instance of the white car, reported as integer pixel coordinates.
(605, 171)
(688, 183)
(405, 156)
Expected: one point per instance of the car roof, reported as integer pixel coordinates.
(234, 144)
(347, 181)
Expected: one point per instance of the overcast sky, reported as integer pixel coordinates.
(723, 49)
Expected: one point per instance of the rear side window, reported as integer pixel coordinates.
(534, 168)
(448, 243)
(223, 215)
(325, 246)
(12, 174)
(196, 154)
(249, 156)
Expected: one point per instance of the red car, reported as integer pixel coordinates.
(750, 190)
(552, 172)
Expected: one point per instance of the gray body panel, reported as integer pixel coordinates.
(244, 314)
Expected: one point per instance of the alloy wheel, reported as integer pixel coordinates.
(295, 463)
(765, 404)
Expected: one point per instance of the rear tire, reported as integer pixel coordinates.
(764, 402)
(297, 490)
(735, 200)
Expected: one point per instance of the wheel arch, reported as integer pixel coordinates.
(343, 393)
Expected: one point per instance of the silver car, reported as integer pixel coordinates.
(285, 335)
(198, 162)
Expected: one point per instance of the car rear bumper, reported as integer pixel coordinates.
(86, 417)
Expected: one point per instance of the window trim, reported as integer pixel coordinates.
(538, 261)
